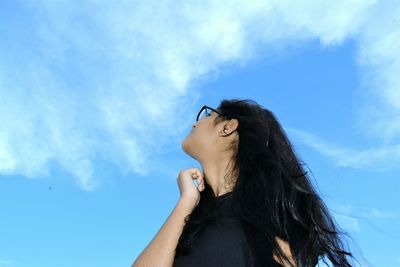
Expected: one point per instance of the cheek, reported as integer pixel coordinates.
(197, 140)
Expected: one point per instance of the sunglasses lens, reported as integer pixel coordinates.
(204, 113)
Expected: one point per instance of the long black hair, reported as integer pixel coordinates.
(272, 193)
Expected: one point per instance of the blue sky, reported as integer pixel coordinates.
(96, 99)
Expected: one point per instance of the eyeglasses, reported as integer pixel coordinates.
(205, 111)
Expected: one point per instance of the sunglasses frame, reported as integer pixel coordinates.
(207, 107)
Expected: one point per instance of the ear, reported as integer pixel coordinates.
(231, 125)
(286, 250)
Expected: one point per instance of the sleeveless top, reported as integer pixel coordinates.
(224, 243)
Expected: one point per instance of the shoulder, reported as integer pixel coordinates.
(286, 249)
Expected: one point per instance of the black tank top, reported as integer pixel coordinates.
(223, 244)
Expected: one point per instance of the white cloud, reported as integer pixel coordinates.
(86, 81)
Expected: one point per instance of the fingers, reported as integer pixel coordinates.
(196, 174)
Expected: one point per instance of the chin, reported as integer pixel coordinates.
(184, 145)
(187, 148)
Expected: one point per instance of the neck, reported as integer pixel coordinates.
(217, 175)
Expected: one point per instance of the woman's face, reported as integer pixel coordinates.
(202, 139)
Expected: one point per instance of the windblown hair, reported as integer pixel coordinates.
(272, 194)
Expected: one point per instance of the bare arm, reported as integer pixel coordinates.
(286, 249)
(161, 250)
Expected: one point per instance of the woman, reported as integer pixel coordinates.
(253, 206)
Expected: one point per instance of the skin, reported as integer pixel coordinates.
(286, 249)
(208, 144)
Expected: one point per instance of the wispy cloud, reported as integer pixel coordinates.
(349, 216)
(380, 158)
(6, 263)
(84, 82)
(348, 223)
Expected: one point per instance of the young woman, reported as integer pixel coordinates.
(254, 204)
